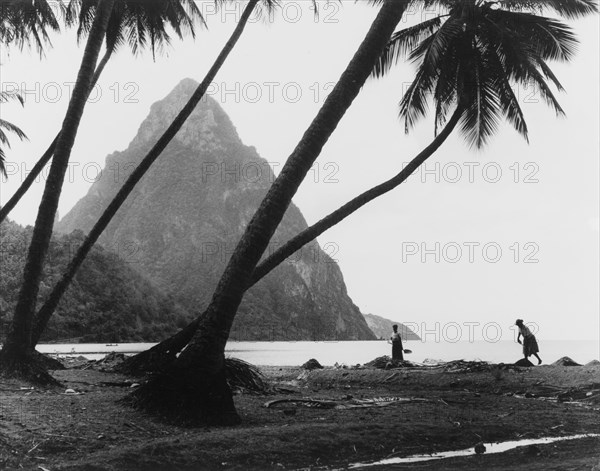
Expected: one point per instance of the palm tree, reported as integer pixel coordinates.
(469, 60)
(25, 22)
(9, 127)
(139, 25)
(15, 357)
(195, 383)
(441, 53)
(47, 309)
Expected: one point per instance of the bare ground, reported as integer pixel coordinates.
(450, 409)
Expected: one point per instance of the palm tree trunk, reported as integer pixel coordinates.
(201, 393)
(45, 158)
(347, 209)
(155, 358)
(18, 341)
(45, 312)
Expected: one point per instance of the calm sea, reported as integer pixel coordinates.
(354, 352)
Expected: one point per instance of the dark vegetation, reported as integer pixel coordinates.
(108, 300)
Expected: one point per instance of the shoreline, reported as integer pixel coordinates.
(360, 352)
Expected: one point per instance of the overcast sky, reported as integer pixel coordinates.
(479, 239)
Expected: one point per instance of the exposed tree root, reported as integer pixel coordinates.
(149, 361)
(186, 398)
(161, 355)
(28, 368)
(48, 362)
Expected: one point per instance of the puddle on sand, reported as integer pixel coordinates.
(490, 448)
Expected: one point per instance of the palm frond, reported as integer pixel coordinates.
(565, 8)
(244, 376)
(445, 90)
(550, 75)
(537, 80)
(141, 24)
(6, 96)
(402, 42)
(10, 128)
(506, 96)
(480, 101)
(28, 23)
(550, 38)
(4, 140)
(413, 105)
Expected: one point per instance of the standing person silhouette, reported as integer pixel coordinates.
(396, 341)
(530, 346)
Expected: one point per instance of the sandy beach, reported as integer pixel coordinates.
(319, 419)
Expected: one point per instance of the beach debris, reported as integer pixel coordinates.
(565, 361)
(524, 362)
(244, 377)
(118, 384)
(112, 359)
(389, 377)
(533, 450)
(385, 363)
(70, 391)
(312, 364)
(432, 361)
(347, 404)
(313, 403)
(480, 448)
(463, 366)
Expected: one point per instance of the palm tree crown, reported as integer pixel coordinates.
(25, 22)
(138, 23)
(5, 125)
(471, 57)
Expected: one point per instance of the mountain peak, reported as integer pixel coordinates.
(207, 125)
(185, 217)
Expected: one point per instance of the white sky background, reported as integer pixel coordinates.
(543, 208)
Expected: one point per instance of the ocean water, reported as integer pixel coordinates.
(360, 352)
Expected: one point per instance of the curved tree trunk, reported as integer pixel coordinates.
(16, 350)
(155, 358)
(45, 158)
(45, 312)
(201, 394)
(347, 209)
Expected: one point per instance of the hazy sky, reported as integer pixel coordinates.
(465, 247)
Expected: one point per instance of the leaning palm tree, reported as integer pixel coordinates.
(45, 312)
(449, 51)
(8, 127)
(15, 357)
(139, 25)
(469, 61)
(195, 383)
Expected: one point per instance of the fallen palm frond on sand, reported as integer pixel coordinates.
(242, 376)
(345, 404)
